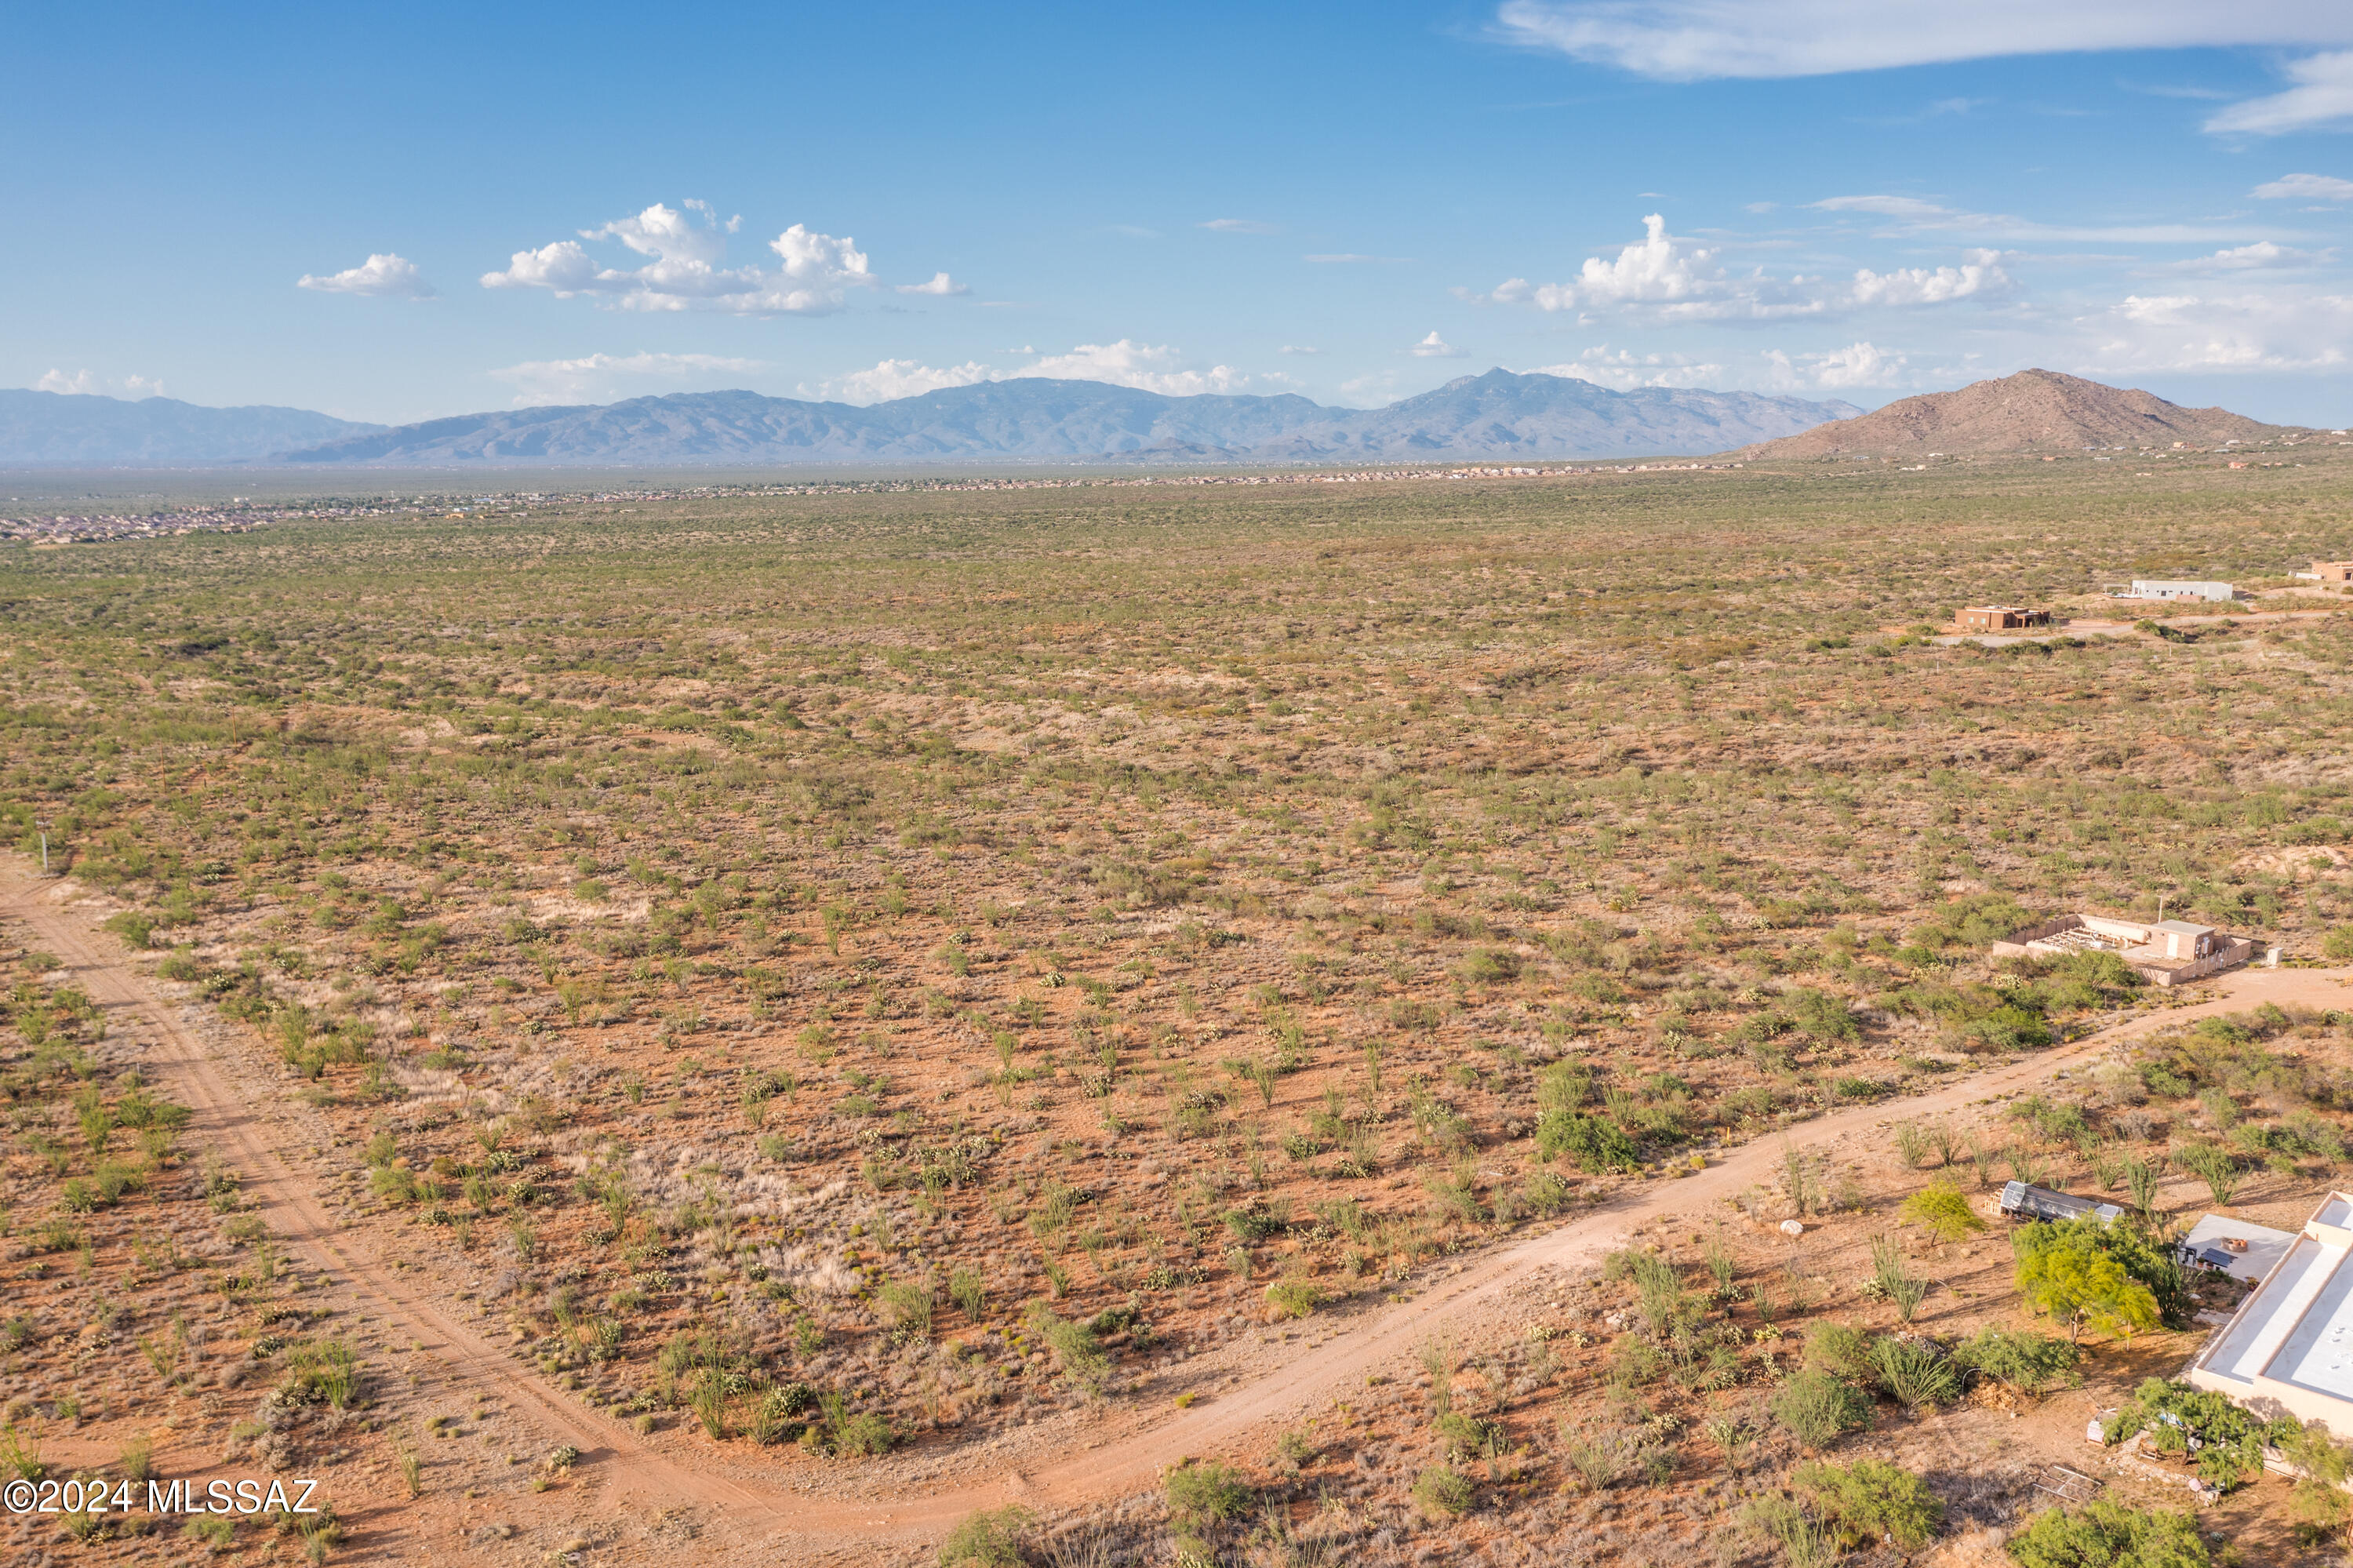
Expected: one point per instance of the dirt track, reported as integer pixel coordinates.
(747, 1514)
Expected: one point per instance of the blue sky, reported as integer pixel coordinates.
(394, 215)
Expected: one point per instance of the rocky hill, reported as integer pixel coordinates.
(2032, 411)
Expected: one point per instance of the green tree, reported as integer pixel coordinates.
(2110, 1535)
(1943, 1211)
(2064, 1271)
(2226, 1439)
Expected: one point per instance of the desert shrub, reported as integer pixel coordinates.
(867, 1434)
(1547, 1193)
(1819, 1409)
(1915, 1374)
(967, 1291)
(324, 1373)
(988, 1539)
(2023, 1358)
(1204, 1493)
(132, 927)
(2318, 1500)
(1895, 1282)
(1076, 1351)
(2110, 1535)
(2214, 1165)
(1467, 1436)
(1591, 1142)
(1870, 1499)
(1563, 1086)
(1293, 1298)
(1443, 1492)
(1837, 1349)
(909, 1306)
(1600, 1461)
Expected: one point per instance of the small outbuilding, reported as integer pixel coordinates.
(2020, 1200)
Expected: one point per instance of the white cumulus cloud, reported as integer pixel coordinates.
(815, 273)
(1147, 367)
(1240, 226)
(84, 384)
(1435, 348)
(941, 284)
(2306, 188)
(601, 377)
(1624, 370)
(1860, 364)
(1663, 277)
(892, 379)
(2277, 329)
(385, 277)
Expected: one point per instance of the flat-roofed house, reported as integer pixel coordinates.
(1999, 617)
(2289, 1347)
(2331, 571)
(2170, 952)
(2147, 588)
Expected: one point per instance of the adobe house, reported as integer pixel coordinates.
(2331, 571)
(2169, 952)
(1999, 617)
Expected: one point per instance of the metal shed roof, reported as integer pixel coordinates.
(2042, 1203)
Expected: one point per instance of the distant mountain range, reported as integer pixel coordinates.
(59, 429)
(1498, 416)
(2034, 410)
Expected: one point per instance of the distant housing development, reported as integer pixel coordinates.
(2169, 952)
(2290, 1345)
(2144, 587)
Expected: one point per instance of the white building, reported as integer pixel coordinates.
(2289, 1347)
(2144, 587)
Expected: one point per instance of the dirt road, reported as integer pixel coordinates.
(748, 1513)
